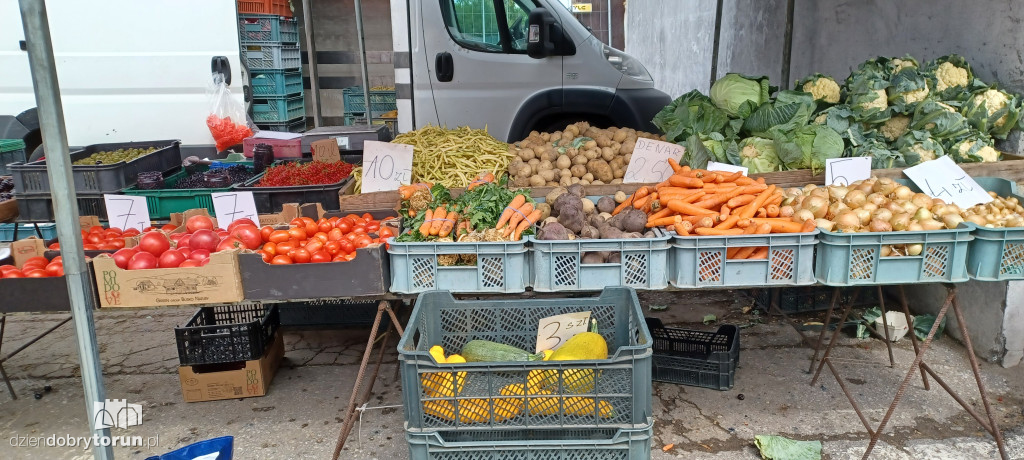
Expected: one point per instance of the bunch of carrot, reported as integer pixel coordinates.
(439, 222)
(705, 203)
(519, 215)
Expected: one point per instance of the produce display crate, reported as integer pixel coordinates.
(274, 7)
(11, 151)
(499, 267)
(565, 444)
(280, 109)
(46, 231)
(700, 261)
(164, 202)
(380, 100)
(996, 254)
(848, 259)
(268, 28)
(227, 334)
(695, 358)
(328, 312)
(39, 207)
(283, 148)
(272, 57)
(295, 126)
(37, 294)
(271, 199)
(31, 177)
(268, 83)
(622, 381)
(366, 275)
(557, 265)
(804, 299)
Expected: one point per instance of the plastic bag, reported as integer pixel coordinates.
(227, 121)
(210, 449)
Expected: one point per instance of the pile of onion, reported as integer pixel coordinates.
(999, 213)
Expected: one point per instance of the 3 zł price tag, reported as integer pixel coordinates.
(716, 166)
(650, 161)
(554, 331)
(845, 171)
(947, 181)
(386, 166)
(231, 206)
(125, 211)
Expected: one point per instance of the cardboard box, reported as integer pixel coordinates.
(216, 282)
(246, 379)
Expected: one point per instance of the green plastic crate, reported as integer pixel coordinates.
(268, 28)
(278, 109)
(164, 202)
(380, 100)
(269, 83)
(500, 267)
(11, 150)
(848, 259)
(574, 444)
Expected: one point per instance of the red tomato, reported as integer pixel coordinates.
(149, 229)
(367, 216)
(336, 234)
(349, 256)
(199, 255)
(143, 260)
(281, 260)
(359, 228)
(198, 223)
(112, 233)
(270, 248)
(154, 243)
(54, 246)
(96, 229)
(186, 251)
(122, 256)
(190, 263)
(37, 273)
(314, 245)
(347, 246)
(311, 228)
(242, 221)
(14, 274)
(363, 241)
(324, 225)
(385, 233)
(29, 267)
(230, 243)
(90, 247)
(7, 268)
(169, 228)
(372, 227)
(37, 260)
(170, 259)
(338, 258)
(279, 235)
(109, 247)
(117, 243)
(249, 235)
(345, 225)
(320, 257)
(332, 247)
(222, 233)
(131, 232)
(297, 233)
(301, 256)
(55, 269)
(265, 232)
(94, 238)
(175, 237)
(204, 239)
(267, 257)
(285, 246)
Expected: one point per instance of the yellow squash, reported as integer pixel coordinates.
(583, 346)
(443, 384)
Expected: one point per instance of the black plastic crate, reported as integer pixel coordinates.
(39, 207)
(805, 299)
(271, 199)
(328, 312)
(695, 358)
(227, 334)
(32, 178)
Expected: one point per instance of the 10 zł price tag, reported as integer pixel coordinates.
(553, 331)
(386, 166)
(650, 161)
(947, 181)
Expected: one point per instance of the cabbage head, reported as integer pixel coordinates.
(738, 95)
(702, 149)
(757, 154)
(691, 113)
(808, 147)
(789, 110)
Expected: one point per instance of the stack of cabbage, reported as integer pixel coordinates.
(894, 110)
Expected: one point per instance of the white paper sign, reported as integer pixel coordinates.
(386, 166)
(231, 206)
(650, 161)
(947, 181)
(342, 142)
(716, 166)
(554, 331)
(125, 211)
(845, 171)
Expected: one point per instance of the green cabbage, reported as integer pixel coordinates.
(691, 113)
(757, 154)
(702, 149)
(808, 147)
(789, 110)
(738, 95)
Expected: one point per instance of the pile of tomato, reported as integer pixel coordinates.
(34, 267)
(189, 249)
(325, 240)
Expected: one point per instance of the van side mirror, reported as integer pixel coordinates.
(545, 37)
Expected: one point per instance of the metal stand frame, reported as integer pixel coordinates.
(3, 373)
(920, 349)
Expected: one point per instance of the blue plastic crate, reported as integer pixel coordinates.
(702, 261)
(268, 28)
(627, 444)
(622, 381)
(278, 109)
(271, 56)
(996, 254)
(558, 265)
(847, 259)
(380, 100)
(478, 267)
(268, 83)
(47, 231)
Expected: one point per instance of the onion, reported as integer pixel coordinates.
(786, 211)
(915, 249)
(863, 215)
(931, 224)
(809, 187)
(1016, 221)
(788, 200)
(824, 224)
(817, 205)
(870, 207)
(938, 210)
(991, 218)
(835, 209)
(915, 227)
(878, 199)
(937, 201)
(894, 207)
(882, 214)
(998, 204)
(855, 198)
(953, 209)
(923, 201)
(847, 220)
(802, 216)
(866, 186)
(794, 191)
(878, 225)
(886, 250)
(820, 192)
(976, 219)
(900, 222)
(909, 207)
(922, 214)
(884, 186)
(837, 192)
(903, 193)
(952, 220)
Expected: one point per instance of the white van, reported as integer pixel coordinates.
(129, 70)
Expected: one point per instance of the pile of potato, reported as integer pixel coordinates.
(579, 154)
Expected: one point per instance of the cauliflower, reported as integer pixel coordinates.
(821, 119)
(948, 107)
(987, 153)
(995, 101)
(926, 155)
(895, 127)
(900, 64)
(823, 89)
(948, 75)
(880, 102)
(916, 96)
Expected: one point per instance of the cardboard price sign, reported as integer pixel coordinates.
(325, 151)
(845, 171)
(231, 206)
(947, 181)
(125, 211)
(554, 331)
(386, 166)
(650, 161)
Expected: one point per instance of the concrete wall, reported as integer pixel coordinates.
(673, 40)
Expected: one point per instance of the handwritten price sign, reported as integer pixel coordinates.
(650, 161)
(231, 206)
(947, 181)
(553, 331)
(386, 166)
(124, 211)
(845, 171)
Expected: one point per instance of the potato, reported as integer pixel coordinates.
(521, 181)
(545, 164)
(584, 182)
(607, 154)
(596, 182)
(547, 154)
(615, 147)
(606, 215)
(534, 163)
(514, 165)
(525, 171)
(619, 174)
(601, 171)
(551, 184)
(572, 152)
(616, 181)
(590, 145)
(588, 177)
(580, 160)
(565, 181)
(564, 173)
(563, 162)
(546, 137)
(619, 136)
(553, 195)
(592, 258)
(574, 180)
(578, 170)
(537, 181)
(620, 196)
(603, 140)
(550, 219)
(592, 154)
(527, 154)
(545, 210)
(588, 206)
(627, 158)
(556, 136)
(547, 174)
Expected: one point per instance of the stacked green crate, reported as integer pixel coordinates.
(271, 48)
(382, 101)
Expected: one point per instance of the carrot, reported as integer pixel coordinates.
(704, 222)
(743, 180)
(677, 191)
(760, 180)
(762, 212)
(517, 201)
(463, 226)
(517, 216)
(683, 228)
(731, 252)
(775, 199)
(808, 226)
(773, 210)
(728, 223)
(439, 215)
(763, 229)
(781, 225)
(638, 204)
(717, 231)
(694, 197)
(406, 191)
(751, 209)
(481, 179)
(674, 165)
(732, 177)
(689, 209)
(688, 182)
(664, 221)
(717, 200)
(744, 223)
(639, 193)
(448, 224)
(662, 212)
(760, 253)
(427, 223)
(724, 213)
(525, 224)
(740, 200)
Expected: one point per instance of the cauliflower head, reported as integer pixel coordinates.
(948, 75)
(900, 64)
(986, 152)
(880, 102)
(916, 96)
(895, 127)
(823, 89)
(926, 154)
(995, 101)
(948, 107)
(821, 119)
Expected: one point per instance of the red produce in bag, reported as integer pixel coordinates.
(227, 121)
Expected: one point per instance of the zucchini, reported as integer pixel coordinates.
(485, 351)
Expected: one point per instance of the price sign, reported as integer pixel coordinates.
(553, 331)
(947, 181)
(386, 166)
(650, 161)
(716, 166)
(845, 171)
(231, 206)
(325, 151)
(124, 211)
(342, 142)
